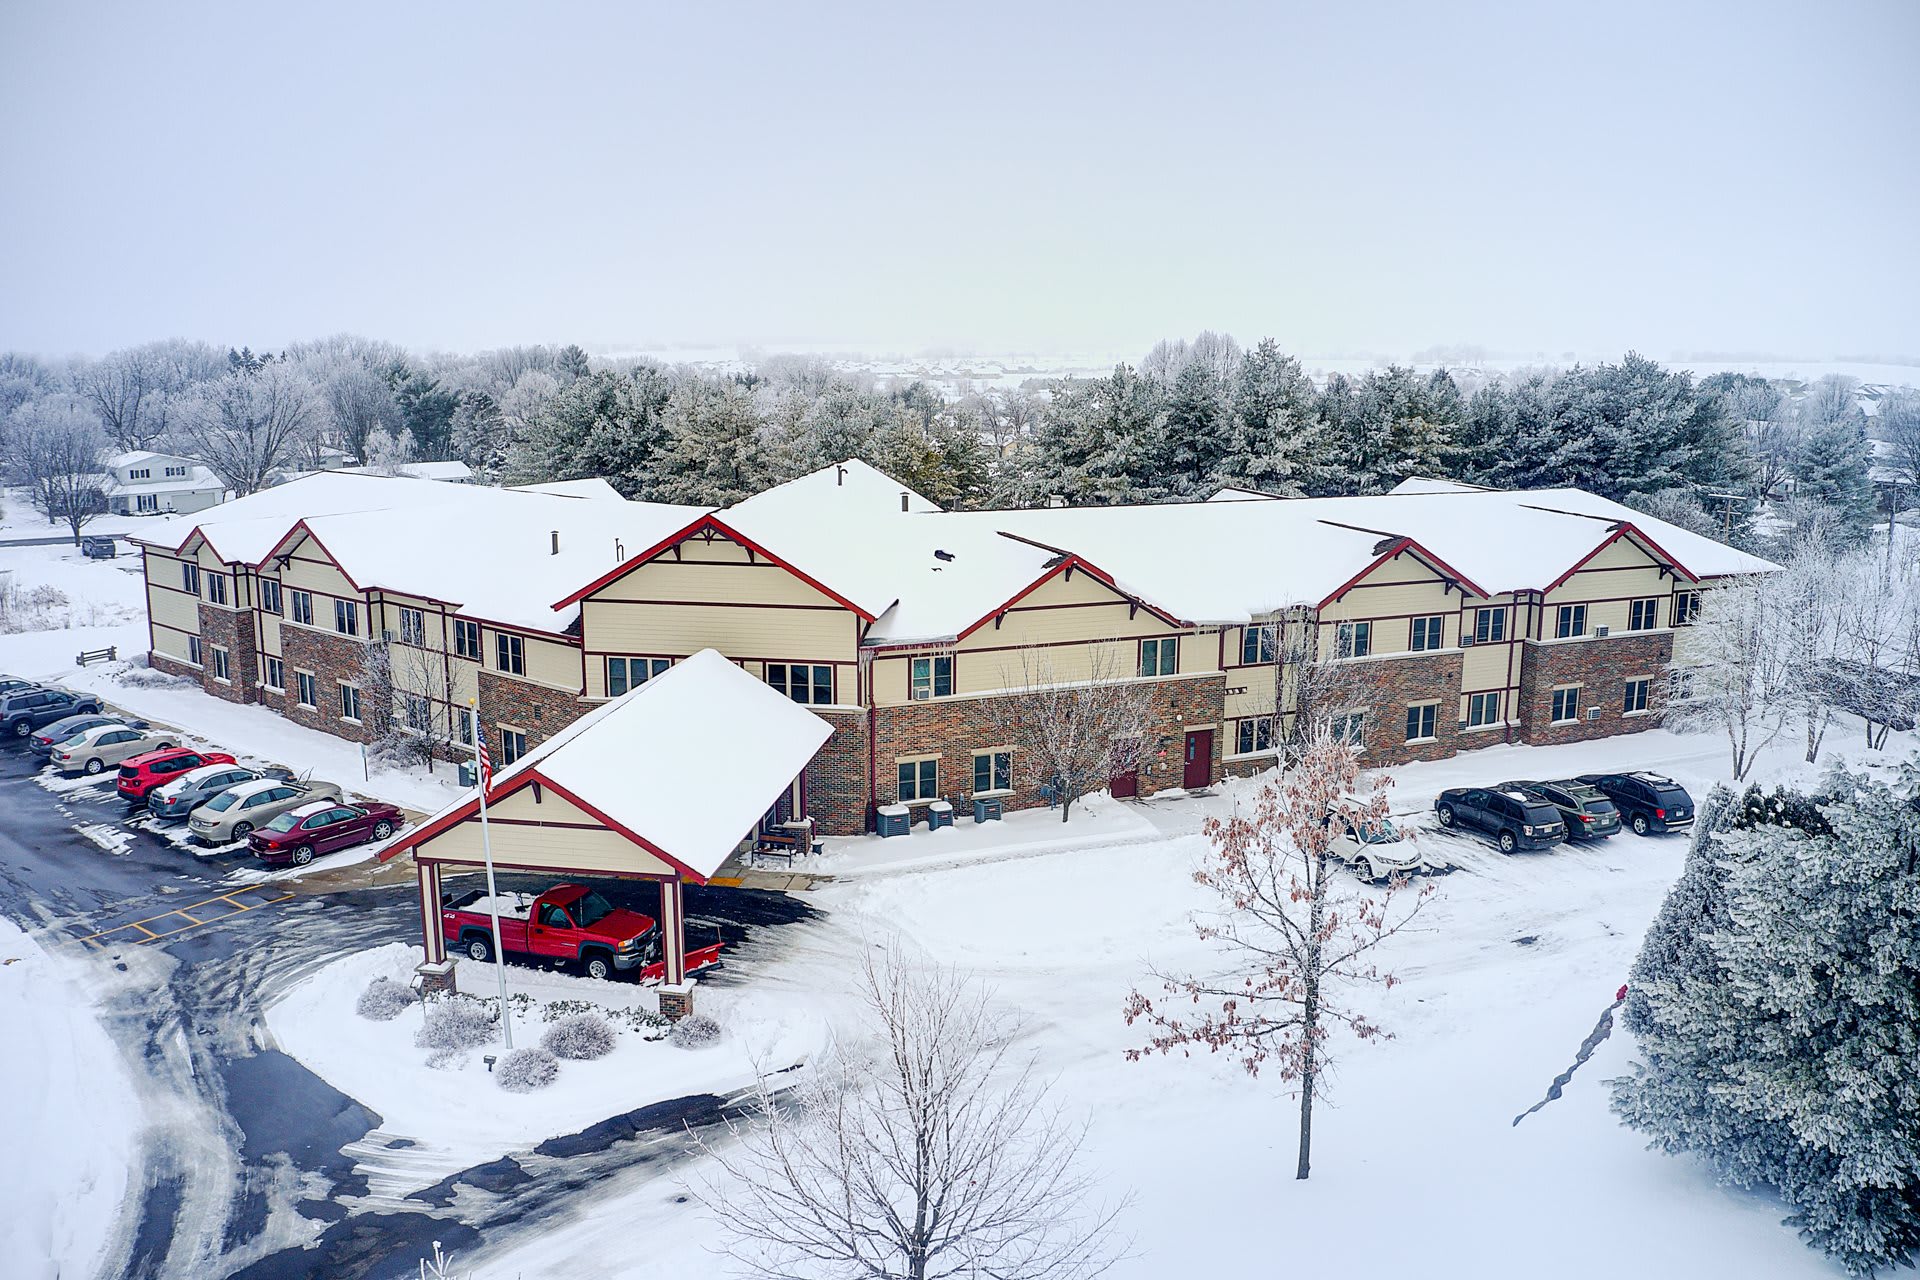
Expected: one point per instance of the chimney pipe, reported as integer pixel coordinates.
(903, 502)
(619, 551)
(839, 476)
(556, 543)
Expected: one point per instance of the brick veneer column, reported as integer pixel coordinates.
(837, 776)
(332, 659)
(1602, 668)
(232, 630)
(537, 710)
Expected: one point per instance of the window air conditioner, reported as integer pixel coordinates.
(1593, 713)
(1466, 640)
(386, 637)
(1601, 633)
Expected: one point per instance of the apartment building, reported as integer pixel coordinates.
(1421, 623)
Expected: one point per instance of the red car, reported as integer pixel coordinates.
(143, 773)
(300, 835)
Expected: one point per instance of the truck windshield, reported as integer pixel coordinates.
(589, 909)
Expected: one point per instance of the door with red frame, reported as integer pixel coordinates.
(1199, 765)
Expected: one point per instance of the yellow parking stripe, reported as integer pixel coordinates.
(152, 935)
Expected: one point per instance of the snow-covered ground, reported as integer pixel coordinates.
(1026, 833)
(73, 1119)
(1418, 1168)
(18, 519)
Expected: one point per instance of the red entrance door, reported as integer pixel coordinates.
(1199, 771)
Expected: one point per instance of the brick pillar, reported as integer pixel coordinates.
(676, 1000)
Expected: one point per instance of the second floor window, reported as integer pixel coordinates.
(1643, 615)
(931, 677)
(630, 673)
(413, 627)
(510, 654)
(1256, 644)
(1571, 622)
(1489, 626)
(803, 682)
(1353, 639)
(1428, 633)
(1160, 657)
(303, 608)
(466, 639)
(269, 595)
(1686, 608)
(216, 588)
(190, 578)
(346, 617)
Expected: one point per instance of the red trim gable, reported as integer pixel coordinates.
(301, 526)
(1621, 530)
(720, 527)
(1071, 562)
(1401, 544)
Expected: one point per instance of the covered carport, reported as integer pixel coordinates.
(662, 784)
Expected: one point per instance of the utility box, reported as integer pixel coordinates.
(939, 814)
(893, 819)
(469, 776)
(988, 808)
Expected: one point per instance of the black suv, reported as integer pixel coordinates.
(1588, 814)
(1650, 802)
(24, 710)
(1514, 819)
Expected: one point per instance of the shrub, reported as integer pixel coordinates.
(384, 1000)
(695, 1031)
(579, 1036)
(525, 1070)
(453, 1025)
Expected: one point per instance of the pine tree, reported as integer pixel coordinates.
(714, 453)
(1272, 435)
(1833, 471)
(1196, 431)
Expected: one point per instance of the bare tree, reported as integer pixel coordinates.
(928, 1152)
(1736, 670)
(1878, 674)
(387, 453)
(1074, 732)
(56, 447)
(354, 380)
(1898, 423)
(1807, 602)
(133, 390)
(1295, 943)
(247, 425)
(1315, 690)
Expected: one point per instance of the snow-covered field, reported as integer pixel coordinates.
(73, 1119)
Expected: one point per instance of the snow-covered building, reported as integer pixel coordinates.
(143, 483)
(1435, 619)
(451, 471)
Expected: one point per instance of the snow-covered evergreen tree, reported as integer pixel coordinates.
(1833, 470)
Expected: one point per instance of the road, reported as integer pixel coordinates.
(244, 1174)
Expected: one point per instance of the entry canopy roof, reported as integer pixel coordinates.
(683, 766)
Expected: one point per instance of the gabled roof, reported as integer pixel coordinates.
(649, 764)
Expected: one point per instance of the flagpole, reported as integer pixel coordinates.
(493, 893)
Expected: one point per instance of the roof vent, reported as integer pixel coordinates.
(943, 555)
(903, 500)
(619, 551)
(556, 543)
(839, 475)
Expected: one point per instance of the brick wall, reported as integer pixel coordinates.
(332, 659)
(837, 777)
(233, 630)
(535, 709)
(1387, 686)
(1602, 669)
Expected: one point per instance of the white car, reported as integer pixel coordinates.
(106, 746)
(1377, 851)
(235, 812)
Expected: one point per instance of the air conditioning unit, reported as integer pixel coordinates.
(1466, 640)
(1593, 713)
(1601, 633)
(386, 637)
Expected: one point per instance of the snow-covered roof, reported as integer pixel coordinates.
(198, 479)
(593, 487)
(138, 456)
(664, 762)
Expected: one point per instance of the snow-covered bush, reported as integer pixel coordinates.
(384, 1000)
(525, 1070)
(579, 1036)
(695, 1031)
(453, 1025)
(139, 675)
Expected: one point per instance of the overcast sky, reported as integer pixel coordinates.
(1344, 177)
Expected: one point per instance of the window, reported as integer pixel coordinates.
(513, 745)
(417, 712)
(1572, 621)
(1350, 727)
(177, 471)
(270, 595)
(992, 771)
(1428, 634)
(146, 502)
(1489, 626)
(1256, 644)
(221, 670)
(193, 650)
(216, 588)
(1686, 608)
(304, 689)
(303, 608)
(1643, 615)
(349, 701)
(1636, 696)
(413, 627)
(1160, 657)
(346, 617)
(140, 473)
(275, 676)
(465, 720)
(1566, 704)
(1353, 639)
(931, 677)
(1421, 721)
(466, 639)
(1255, 733)
(190, 578)
(920, 779)
(802, 682)
(630, 673)
(1483, 709)
(510, 654)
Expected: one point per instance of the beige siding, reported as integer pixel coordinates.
(551, 662)
(1609, 583)
(584, 848)
(1388, 598)
(168, 606)
(311, 570)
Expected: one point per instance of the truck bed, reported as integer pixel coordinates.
(513, 906)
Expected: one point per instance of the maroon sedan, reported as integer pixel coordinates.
(299, 835)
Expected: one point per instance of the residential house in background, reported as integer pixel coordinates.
(143, 483)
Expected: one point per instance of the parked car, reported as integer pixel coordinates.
(99, 546)
(568, 922)
(9, 683)
(24, 710)
(1589, 815)
(144, 772)
(236, 812)
(52, 735)
(107, 745)
(1377, 851)
(195, 787)
(1514, 819)
(300, 835)
(1651, 803)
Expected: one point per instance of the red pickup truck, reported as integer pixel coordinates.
(568, 922)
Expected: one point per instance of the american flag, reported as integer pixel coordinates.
(486, 760)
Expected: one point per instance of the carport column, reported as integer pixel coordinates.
(436, 975)
(676, 993)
